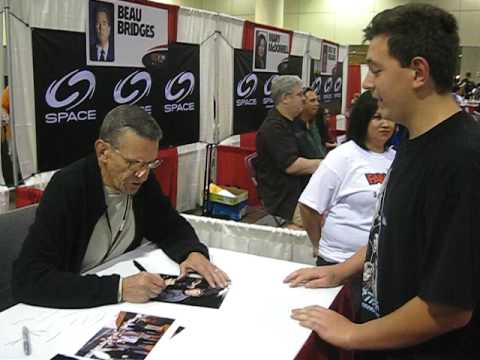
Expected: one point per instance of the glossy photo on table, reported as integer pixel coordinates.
(130, 336)
(191, 290)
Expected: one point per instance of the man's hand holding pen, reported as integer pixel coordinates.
(143, 286)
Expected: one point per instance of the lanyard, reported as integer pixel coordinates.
(119, 231)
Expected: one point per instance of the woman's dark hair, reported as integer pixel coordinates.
(362, 112)
(261, 37)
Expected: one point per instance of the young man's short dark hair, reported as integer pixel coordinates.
(420, 30)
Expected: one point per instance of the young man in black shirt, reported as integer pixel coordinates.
(421, 267)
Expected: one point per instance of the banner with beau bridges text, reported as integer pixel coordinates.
(121, 33)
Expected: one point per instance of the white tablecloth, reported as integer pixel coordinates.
(252, 323)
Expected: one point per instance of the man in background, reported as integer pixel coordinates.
(466, 86)
(306, 128)
(6, 147)
(280, 167)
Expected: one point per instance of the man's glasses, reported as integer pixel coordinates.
(136, 166)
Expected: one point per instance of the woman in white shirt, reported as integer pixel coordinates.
(338, 203)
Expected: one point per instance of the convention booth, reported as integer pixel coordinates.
(202, 75)
(208, 33)
(212, 90)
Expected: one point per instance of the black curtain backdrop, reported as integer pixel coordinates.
(71, 99)
(252, 90)
(328, 87)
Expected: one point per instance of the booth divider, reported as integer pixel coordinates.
(166, 173)
(231, 170)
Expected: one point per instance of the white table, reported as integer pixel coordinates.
(252, 323)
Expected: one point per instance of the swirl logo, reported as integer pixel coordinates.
(317, 85)
(180, 87)
(267, 88)
(75, 98)
(338, 85)
(247, 86)
(328, 85)
(135, 95)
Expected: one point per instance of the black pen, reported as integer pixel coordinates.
(27, 346)
(139, 266)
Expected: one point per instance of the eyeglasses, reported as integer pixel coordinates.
(136, 166)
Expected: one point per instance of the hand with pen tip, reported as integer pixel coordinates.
(142, 287)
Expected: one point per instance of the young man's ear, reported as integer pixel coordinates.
(421, 69)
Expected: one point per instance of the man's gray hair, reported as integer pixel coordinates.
(283, 85)
(129, 117)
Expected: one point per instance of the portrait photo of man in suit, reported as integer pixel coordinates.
(101, 32)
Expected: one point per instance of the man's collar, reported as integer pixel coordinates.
(100, 48)
(302, 116)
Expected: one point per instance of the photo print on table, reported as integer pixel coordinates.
(191, 290)
(131, 336)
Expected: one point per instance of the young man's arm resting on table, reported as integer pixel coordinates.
(328, 276)
(302, 166)
(413, 323)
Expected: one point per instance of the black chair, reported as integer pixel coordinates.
(250, 161)
(13, 229)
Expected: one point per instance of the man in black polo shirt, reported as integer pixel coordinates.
(280, 168)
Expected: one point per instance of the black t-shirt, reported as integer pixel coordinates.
(277, 149)
(427, 229)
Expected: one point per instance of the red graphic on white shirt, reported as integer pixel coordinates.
(375, 178)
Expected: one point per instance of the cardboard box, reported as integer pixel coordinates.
(239, 196)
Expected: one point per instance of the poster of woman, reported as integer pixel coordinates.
(270, 49)
(260, 54)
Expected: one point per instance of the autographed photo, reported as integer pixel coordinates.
(191, 290)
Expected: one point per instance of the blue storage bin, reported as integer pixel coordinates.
(233, 212)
